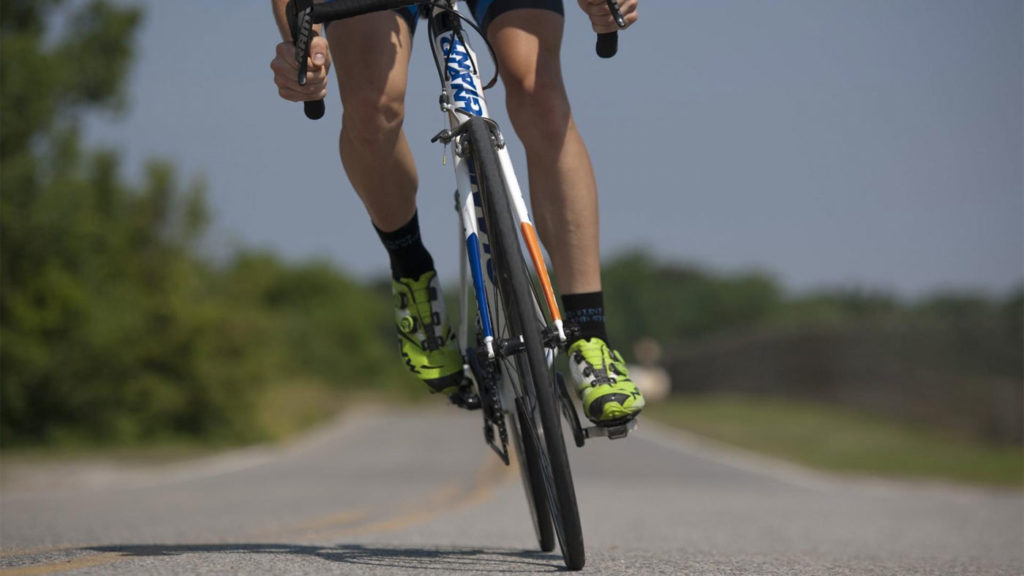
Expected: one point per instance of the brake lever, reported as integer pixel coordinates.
(613, 5)
(300, 23)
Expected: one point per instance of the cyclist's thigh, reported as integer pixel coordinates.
(370, 55)
(486, 11)
(527, 43)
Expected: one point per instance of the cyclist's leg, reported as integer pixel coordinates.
(371, 58)
(564, 196)
(561, 177)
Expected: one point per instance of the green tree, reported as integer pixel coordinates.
(327, 326)
(47, 227)
(670, 302)
(107, 332)
(114, 329)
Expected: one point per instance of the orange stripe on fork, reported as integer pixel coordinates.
(530, 237)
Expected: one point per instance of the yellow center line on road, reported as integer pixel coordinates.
(335, 520)
(488, 477)
(450, 496)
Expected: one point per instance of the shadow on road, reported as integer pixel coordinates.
(433, 559)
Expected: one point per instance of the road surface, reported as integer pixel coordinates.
(385, 491)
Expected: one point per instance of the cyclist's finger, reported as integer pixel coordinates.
(319, 53)
(315, 83)
(316, 76)
(595, 8)
(628, 8)
(293, 95)
(286, 55)
(284, 77)
(282, 69)
(604, 24)
(601, 16)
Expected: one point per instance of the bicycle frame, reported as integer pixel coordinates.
(462, 98)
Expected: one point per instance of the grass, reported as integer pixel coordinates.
(289, 409)
(283, 411)
(842, 440)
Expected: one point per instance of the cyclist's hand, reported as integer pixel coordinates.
(601, 17)
(286, 71)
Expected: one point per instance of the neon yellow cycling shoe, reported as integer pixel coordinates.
(600, 374)
(427, 343)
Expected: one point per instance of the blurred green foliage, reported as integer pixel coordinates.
(114, 328)
(672, 302)
(843, 439)
(667, 302)
(954, 361)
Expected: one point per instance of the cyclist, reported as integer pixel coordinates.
(370, 55)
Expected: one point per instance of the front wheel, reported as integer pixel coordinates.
(533, 379)
(528, 456)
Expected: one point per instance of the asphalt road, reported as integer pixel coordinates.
(396, 492)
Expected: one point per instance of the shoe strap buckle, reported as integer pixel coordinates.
(408, 324)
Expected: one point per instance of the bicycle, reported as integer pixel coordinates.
(509, 356)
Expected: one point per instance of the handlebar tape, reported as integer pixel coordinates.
(314, 109)
(607, 44)
(331, 11)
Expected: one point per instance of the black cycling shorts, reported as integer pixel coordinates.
(485, 11)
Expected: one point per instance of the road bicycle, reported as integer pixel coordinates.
(509, 351)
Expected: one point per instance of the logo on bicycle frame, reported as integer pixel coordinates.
(460, 72)
(481, 224)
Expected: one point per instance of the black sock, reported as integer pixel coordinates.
(585, 312)
(409, 257)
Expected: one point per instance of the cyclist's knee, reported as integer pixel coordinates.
(372, 119)
(527, 43)
(539, 108)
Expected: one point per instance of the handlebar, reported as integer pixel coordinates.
(302, 14)
(608, 42)
(331, 11)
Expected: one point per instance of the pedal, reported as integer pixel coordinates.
(612, 432)
(465, 397)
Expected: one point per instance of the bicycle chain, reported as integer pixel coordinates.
(490, 403)
(494, 417)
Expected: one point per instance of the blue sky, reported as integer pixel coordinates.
(872, 143)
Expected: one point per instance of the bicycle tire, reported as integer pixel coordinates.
(533, 482)
(518, 298)
(527, 455)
